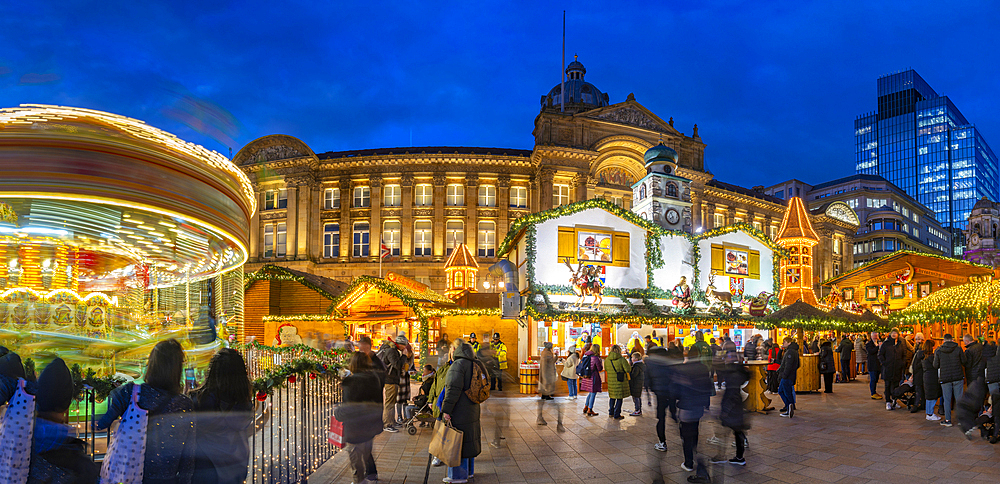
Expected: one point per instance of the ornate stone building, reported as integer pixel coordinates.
(325, 213)
(981, 234)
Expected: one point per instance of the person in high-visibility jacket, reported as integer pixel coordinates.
(473, 342)
(501, 354)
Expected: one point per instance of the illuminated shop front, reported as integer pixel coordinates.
(114, 235)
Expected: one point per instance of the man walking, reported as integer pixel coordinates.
(874, 369)
(393, 360)
(658, 372)
(786, 375)
(949, 360)
(846, 348)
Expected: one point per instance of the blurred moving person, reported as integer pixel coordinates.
(223, 419)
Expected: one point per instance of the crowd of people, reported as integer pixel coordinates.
(200, 436)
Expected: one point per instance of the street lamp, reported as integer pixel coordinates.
(486, 284)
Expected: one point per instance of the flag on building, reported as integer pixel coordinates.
(386, 252)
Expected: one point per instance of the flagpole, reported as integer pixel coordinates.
(380, 259)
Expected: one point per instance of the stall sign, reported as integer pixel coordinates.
(575, 332)
(634, 325)
(659, 325)
(547, 324)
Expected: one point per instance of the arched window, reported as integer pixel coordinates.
(642, 191)
(671, 190)
(472, 280)
(994, 231)
(459, 279)
(976, 229)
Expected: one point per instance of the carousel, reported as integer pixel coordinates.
(115, 235)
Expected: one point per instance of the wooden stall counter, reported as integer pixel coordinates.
(756, 400)
(807, 378)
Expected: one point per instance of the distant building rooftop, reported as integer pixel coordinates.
(430, 150)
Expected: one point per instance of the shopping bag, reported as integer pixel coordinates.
(16, 427)
(123, 463)
(336, 434)
(447, 444)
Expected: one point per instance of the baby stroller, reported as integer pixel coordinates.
(419, 412)
(904, 394)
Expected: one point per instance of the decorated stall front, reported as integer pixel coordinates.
(899, 280)
(592, 271)
(970, 308)
(284, 307)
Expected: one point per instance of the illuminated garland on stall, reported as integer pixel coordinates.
(826, 325)
(336, 354)
(298, 317)
(973, 302)
(906, 252)
(281, 375)
(272, 272)
(443, 313)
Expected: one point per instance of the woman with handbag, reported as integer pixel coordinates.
(618, 381)
(164, 426)
(458, 410)
(361, 414)
(773, 363)
(223, 416)
(592, 383)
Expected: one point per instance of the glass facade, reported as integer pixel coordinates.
(923, 144)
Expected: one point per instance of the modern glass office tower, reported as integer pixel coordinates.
(923, 144)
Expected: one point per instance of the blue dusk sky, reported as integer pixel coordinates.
(773, 86)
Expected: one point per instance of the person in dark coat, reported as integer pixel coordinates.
(874, 369)
(223, 417)
(845, 348)
(891, 356)
(932, 387)
(750, 349)
(917, 370)
(786, 376)
(827, 366)
(731, 412)
(974, 363)
(361, 414)
(461, 411)
(637, 376)
(660, 380)
(991, 354)
(949, 360)
(170, 434)
(693, 388)
(57, 456)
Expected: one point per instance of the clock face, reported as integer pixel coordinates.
(974, 239)
(672, 216)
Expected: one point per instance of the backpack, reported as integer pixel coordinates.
(583, 368)
(479, 390)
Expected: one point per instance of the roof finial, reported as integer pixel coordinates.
(575, 57)
(661, 138)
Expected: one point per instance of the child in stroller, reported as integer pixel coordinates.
(904, 394)
(420, 411)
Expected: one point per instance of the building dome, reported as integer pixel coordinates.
(580, 95)
(660, 159)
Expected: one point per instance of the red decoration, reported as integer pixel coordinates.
(312, 376)
(261, 396)
(291, 378)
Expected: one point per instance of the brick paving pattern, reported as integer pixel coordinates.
(839, 437)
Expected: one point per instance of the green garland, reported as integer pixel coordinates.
(279, 376)
(826, 325)
(273, 272)
(103, 386)
(298, 317)
(443, 313)
(905, 252)
(337, 354)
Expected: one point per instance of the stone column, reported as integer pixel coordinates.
(375, 230)
(406, 239)
(710, 215)
(255, 234)
(472, 217)
(583, 189)
(750, 217)
(696, 211)
(346, 197)
(545, 179)
(440, 192)
(731, 215)
(291, 217)
(503, 206)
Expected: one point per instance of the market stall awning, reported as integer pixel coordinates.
(975, 301)
(797, 311)
(886, 270)
(837, 313)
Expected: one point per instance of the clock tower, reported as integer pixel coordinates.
(661, 196)
(797, 236)
(981, 234)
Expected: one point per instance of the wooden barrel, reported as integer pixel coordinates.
(756, 400)
(529, 379)
(807, 378)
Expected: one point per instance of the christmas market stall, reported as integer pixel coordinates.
(285, 307)
(898, 281)
(966, 309)
(593, 272)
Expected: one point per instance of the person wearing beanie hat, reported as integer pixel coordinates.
(55, 450)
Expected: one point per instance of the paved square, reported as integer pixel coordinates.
(839, 437)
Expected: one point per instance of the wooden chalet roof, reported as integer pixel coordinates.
(461, 257)
(882, 270)
(329, 288)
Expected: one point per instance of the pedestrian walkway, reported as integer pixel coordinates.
(839, 437)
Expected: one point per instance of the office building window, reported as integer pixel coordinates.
(422, 240)
(423, 195)
(268, 240)
(360, 243)
(331, 240)
(487, 196)
(519, 197)
(331, 198)
(454, 234)
(391, 196)
(274, 199)
(560, 195)
(757, 225)
(487, 239)
(392, 235)
(774, 232)
(619, 201)
(718, 219)
(362, 197)
(456, 195)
